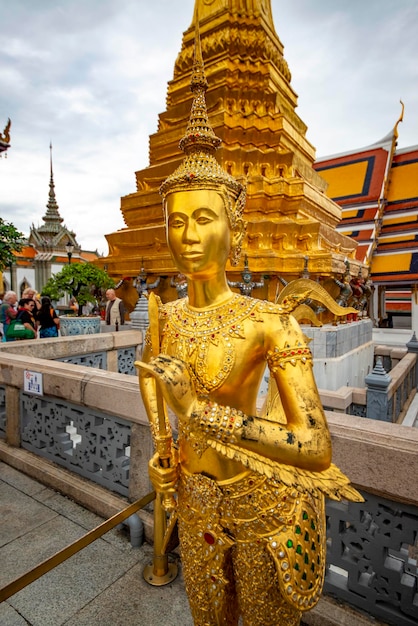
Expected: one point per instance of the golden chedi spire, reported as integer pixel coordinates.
(247, 102)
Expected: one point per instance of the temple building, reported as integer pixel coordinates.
(292, 223)
(377, 190)
(46, 250)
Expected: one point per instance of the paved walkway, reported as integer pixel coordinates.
(100, 586)
(103, 584)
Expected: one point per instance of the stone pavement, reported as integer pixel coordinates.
(103, 584)
(100, 586)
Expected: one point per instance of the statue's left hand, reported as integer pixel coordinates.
(175, 383)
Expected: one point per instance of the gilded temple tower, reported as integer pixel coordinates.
(252, 108)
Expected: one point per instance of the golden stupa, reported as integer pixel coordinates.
(252, 108)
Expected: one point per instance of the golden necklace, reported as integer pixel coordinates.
(189, 335)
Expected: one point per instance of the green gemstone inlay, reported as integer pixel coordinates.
(289, 543)
(299, 549)
(313, 525)
(297, 566)
(298, 530)
(304, 576)
(307, 537)
(306, 558)
(305, 515)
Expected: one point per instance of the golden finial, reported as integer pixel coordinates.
(395, 130)
(6, 136)
(200, 169)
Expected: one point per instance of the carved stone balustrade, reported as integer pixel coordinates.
(95, 420)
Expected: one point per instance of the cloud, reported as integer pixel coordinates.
(92, 78)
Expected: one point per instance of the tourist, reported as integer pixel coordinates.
(47, 319)
(31, 294)
(1, 323)
(250, 489)
(73, 304)
(8, 312)
(26, 314)
(115, 310)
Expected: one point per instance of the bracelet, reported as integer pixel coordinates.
(221, 422)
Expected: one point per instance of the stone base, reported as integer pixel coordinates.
(343, 354)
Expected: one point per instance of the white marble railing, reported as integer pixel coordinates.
(371, 546)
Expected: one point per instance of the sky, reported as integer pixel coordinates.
(91, 77)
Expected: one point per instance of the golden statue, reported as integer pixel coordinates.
(250, 490)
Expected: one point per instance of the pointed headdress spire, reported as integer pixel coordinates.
(200, 169)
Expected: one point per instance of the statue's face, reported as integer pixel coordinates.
(198, 232)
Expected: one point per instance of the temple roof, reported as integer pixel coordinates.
(377, 190)
(53, 235)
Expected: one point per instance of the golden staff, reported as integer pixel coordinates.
(160, 571)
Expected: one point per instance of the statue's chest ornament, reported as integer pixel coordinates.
(206, 339)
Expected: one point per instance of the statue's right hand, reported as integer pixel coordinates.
(163, 479)
(174, 380)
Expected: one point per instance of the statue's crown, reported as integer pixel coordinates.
(200, 169)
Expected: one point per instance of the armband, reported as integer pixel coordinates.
(288, 354)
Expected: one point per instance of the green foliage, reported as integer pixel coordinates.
(83, 281)
(11, 241)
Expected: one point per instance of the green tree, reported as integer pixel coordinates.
(85, 283)
(11, 241)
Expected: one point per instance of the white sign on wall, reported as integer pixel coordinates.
(33, 382)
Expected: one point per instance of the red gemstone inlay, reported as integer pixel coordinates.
(210, 539)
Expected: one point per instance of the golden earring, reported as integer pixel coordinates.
(235, 254)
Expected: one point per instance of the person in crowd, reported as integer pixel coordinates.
(73, 304)
(26, 314)
(33, 295)
(115, 310)
(8, 312)
(1, 323)
(47, 319)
